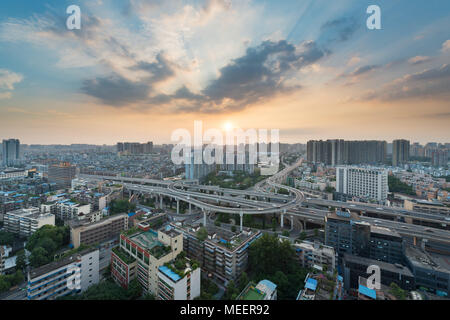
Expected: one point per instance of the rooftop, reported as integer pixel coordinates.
(34, 273)
(424, 259)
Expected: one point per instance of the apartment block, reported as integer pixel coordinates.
(312, 254)
(175, 283)
(365, 182)
(70, 275)
(25, 222)
(86, 232)
(223, 254)
(141, 254)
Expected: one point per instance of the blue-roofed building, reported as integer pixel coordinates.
(264, 290)
(370, 293)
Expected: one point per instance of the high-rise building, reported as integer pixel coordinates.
(364, 182)
(400, 152)
(11, 151)
(339, 152)
(62, 174)
(439, 158)
(134, 148)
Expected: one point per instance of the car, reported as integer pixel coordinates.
(429, 230)
(404, 227)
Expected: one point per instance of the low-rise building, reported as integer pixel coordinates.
(264, 290)
(70, 275)
(355, 266)
(427, 206)
(319, 286)
(86, 232)
(25, 222)
(315, 253)
(431, 271)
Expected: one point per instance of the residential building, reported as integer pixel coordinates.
(11, 152)
(175, 283)
(62, 174)
(264, 290)
(25, 222)
(86, 232)
(439, 158)
(365, 182)
(319, 286)
(141, 254)
(12, 174)
(310, 254)
(70, 275)
(223, 254)
(341, 152)
(400, 152)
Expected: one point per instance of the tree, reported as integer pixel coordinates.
(6, 238)
(270, 259)
(202, 234)
(39, 257)
(231, 291)
(303, 235)
(21, 260)
(285, 233)
(233, 228)
(398, 292)
(243, 281)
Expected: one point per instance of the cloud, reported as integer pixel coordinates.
(8, 80)
(446, 46)
(115, 90)
(418, 60)
(338, 30)
(261, 71)
(431, 84)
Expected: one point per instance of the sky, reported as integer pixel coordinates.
(139, 69)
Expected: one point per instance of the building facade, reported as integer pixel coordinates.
(141, 254)
(86, 232)
(25, 222)
(62, 174)
(71, 275)
(11, 151)
(367, 183)
(400, 152)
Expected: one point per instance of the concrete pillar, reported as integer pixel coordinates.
(178, 206)
(204, 217)
(241, 215)
(282, 221)
(190, 208)
(160, 201)
(292, 222)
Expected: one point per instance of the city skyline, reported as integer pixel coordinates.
(138, 70)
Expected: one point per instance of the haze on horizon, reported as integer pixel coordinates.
(137, 70)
